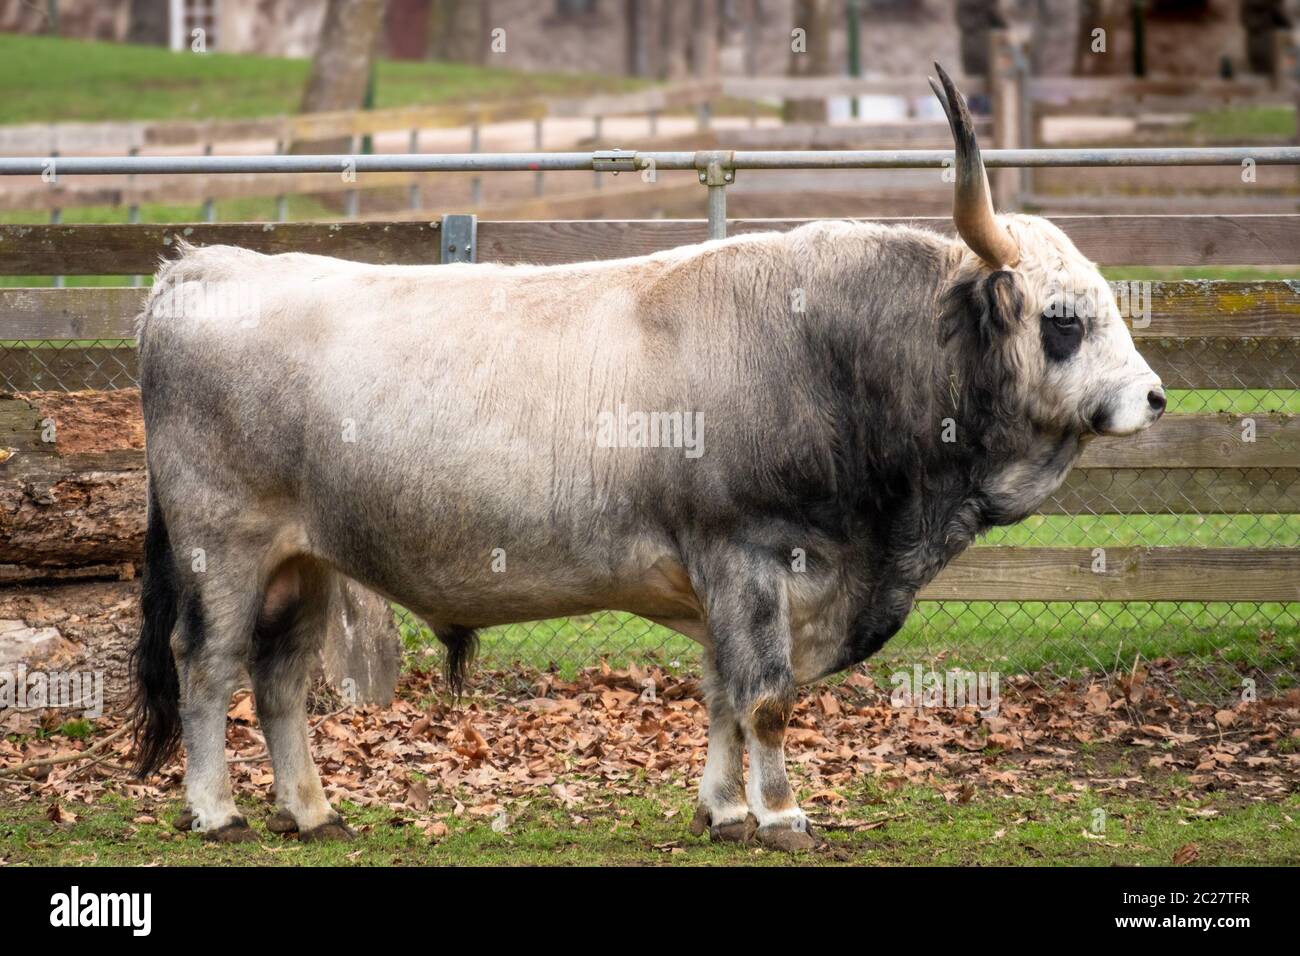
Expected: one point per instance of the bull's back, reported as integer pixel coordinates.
(416, 422)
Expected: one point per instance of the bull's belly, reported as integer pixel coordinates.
(521, 584)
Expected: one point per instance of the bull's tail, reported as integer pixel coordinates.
(156, 691)
(462, 647)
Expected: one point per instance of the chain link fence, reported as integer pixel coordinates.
(1217, 645)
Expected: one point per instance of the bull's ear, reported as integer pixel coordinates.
(1003, 301)
(985, 304)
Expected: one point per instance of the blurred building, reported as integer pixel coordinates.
(680, 38)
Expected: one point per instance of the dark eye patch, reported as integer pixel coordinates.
(1062, 336)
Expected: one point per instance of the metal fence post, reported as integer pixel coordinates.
(539, 184)
(1003, 101)
(352, 199)
(475, 184)
(56, 214)
(413, 194)
(133, 210)
(459, 237)
(1024, 119)
(716, 170)
(281, 200)
(209, 204)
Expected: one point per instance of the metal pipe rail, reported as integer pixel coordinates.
(716, 168)
(630, 160)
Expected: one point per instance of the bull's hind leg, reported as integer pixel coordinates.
(722, 810)
(290, 626)
(209, 646)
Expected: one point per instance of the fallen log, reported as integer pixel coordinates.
(71, 483)
(72, 506)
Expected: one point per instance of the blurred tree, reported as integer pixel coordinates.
(675, 29)
(1054, 37)
(340, 70)
(1261, 18)
(974, 20)
(704, 38)
(149, 22)
(810, 55)
(457, 31)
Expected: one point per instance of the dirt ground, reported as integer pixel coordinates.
(521, 731)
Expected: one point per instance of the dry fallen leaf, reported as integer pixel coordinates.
(57, 814)
(1188, 853)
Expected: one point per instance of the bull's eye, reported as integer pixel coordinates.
(1062, 335)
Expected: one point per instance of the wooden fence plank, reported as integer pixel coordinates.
(1221, 311)
(1178, 442)
(1203, 441)
(121, 249)
(777, 86)
(1131, 574)
(1213, 308)
(135, 249)
(77, 313)
(1108, 240)
(1208, 364)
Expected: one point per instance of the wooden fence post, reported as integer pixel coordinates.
(1004, 83)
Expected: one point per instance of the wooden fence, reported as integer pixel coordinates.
(700, 98)
(1019, 104)
(1200, 335)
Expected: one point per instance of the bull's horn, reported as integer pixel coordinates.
(972, 204)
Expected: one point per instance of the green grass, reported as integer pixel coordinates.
(1046, 827)
(1243, 123)
(50, 79)
(1224, 641)
(1172, 273)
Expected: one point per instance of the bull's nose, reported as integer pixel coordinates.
(1156, 399)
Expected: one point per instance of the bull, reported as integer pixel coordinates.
(864, 399)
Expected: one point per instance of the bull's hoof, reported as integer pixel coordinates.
(281, 821)
(184, 821)
(332, 830)
(236, 831)
(742, 831)
(781, 837)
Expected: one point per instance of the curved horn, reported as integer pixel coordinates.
(972, 205)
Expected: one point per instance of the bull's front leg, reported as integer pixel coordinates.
(781, 824)
(751, 691)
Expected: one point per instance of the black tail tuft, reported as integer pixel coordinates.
(156, 692)
(462, 647)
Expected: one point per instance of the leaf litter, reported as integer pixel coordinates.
(586, 744)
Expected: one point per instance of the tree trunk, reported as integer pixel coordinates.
(676, 30)
(704, 40)
(149, 23)
(810, 55)
(340, 69)
(974, 20)
(1054, 47)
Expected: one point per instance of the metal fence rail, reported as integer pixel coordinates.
(717, 168)
(1198, 534)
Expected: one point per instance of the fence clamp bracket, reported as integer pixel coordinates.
(613, 161)
(459, 236)
(716, 167)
